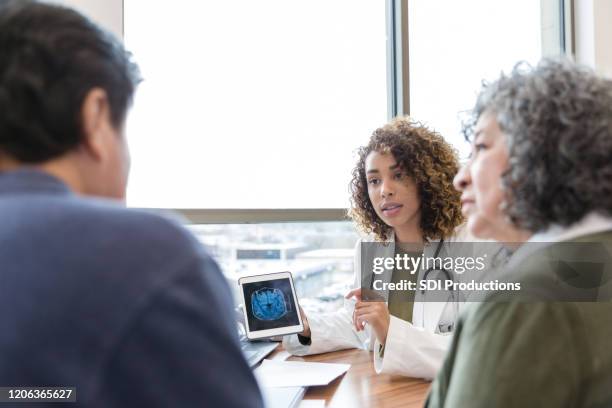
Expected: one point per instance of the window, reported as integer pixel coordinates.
(252, 104)
(261, 105)
(319, 256)
(454, 45)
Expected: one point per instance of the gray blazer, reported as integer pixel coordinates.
(124, 305)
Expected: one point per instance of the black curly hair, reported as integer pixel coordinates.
(429, 160)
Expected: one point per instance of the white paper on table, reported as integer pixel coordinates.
(273, 373)
(281, 355)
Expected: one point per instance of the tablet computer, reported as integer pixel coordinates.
(270, 305)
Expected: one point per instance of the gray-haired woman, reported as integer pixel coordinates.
(541, 171)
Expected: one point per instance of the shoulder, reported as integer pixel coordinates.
(373, 238)
(371, 241)
(511, 319)
(136, 222)
(128, 235)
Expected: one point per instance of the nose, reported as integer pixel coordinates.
(386, 189)
(463, 178)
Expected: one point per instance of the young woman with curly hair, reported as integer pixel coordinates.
(421, 166)
(402, 193)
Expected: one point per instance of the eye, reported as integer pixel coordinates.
(399, 175)
(479, 146)
(373, 181)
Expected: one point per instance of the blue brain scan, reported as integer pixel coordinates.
(268, 304)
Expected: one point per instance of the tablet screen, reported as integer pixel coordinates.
(269, 304)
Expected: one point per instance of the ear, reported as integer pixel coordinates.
(96, 123)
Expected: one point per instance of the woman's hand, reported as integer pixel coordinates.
(375, 313)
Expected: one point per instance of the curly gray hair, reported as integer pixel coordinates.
(557, 118)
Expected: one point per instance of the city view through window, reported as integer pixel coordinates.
(319, 256)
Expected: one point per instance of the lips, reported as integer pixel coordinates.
(391, 209)
(466, 204)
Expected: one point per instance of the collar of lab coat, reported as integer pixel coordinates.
(391, 239)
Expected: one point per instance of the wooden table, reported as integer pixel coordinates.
(361, 386)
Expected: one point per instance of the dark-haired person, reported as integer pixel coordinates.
(541, 174)
(402, 192)
(123, 305)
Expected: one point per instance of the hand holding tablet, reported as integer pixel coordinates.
(270, 305)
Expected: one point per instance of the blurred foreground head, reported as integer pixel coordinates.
(65, 90)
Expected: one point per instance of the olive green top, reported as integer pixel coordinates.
(401, 302)
(527, 352)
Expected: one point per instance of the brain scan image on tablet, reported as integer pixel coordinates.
(268, 304)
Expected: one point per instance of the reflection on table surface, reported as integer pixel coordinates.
(361, 386)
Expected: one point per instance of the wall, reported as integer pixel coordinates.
(107, 13)
(603, 36)
(593, 34)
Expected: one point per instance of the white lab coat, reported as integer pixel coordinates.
(413, 350)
